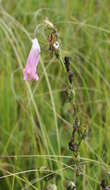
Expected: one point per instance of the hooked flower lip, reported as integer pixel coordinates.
(32, 62)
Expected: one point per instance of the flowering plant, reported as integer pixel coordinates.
(32, 62)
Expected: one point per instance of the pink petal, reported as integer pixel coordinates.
(32, 62)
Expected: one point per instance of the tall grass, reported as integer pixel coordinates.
(35, 123)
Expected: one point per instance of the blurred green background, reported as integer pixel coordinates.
(34, 118)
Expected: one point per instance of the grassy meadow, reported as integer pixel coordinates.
(36, 122)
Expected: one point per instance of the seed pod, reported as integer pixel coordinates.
(51, 187)
(73, 146)
(67, 63)
(104, 187)
(70, 77)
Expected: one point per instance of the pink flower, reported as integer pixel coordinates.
(32, 61)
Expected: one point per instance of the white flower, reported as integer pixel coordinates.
(56, 45)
